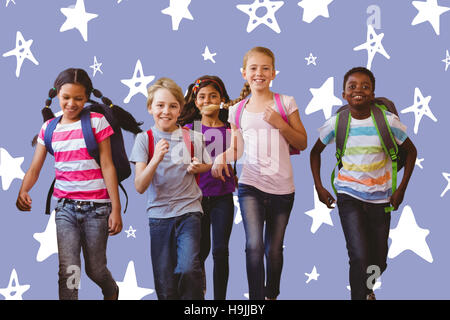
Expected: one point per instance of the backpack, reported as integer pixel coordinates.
(281, 111)
(118, 153)
(187, 141)
(378, 113)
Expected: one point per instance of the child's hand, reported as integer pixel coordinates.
(194, 166)
(273, 118)
(161, 148)
(397, 198)
(218, 167)
(23, 202)
(114, 223)
(326, 198)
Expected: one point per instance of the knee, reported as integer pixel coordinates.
(220, 253)
(254, 248)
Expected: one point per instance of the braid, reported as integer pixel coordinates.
(190, 112)
(47, 113)
(124, 118)
(244, 94)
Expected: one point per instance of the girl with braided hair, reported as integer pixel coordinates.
(88, 208)
(203, 111)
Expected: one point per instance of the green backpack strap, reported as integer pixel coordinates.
(341, 131)
(388, 143)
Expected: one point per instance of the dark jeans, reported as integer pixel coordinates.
(82, 225)
(218, 213)
(366, 230)
(175, 248)
(258, 207)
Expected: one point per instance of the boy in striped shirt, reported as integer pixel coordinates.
(364, 183)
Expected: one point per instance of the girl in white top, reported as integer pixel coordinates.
(266, 186)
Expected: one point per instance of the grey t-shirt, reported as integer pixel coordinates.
(173, 191)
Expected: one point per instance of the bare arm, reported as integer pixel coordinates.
(294, 131)
(23, 202)
(315, 161)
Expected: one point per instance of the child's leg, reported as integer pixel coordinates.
(94, 240)
(164, 258)
(354, 224)
(188, 270)
(277, 218)
(222, 213)
(69, 248)
(252, 204)
(205, 238)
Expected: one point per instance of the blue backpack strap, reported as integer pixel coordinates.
(89, 138)
(48, 134)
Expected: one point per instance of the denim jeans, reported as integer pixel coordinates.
(218, 213)
(175, 248)
(82, 225)
(366, 231)
(258, 207)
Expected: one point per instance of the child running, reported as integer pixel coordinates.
(364, 183)
(266, 185)
(203, 109)
(165, 166)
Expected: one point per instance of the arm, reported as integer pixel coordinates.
(233, 153)
(411, 155)
(294, 131)
(23, 202)
(315, 161)
(110, 177)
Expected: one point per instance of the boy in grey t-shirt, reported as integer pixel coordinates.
(174, 198)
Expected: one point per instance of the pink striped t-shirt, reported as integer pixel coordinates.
(78, 176)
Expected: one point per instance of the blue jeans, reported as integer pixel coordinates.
(175, 248)
(218, 212)
(82, 225)
(366, 231)
(256, 207)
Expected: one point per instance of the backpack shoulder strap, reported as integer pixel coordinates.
(88, 134)
(341, 132)
(239, 113)
(151, 144)
(281, 108)
(49, 197)
(48, 134)
(190, 146)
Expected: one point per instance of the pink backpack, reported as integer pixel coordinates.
(281, 110)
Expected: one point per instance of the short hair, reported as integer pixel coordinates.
(363, 70)
(169, 84)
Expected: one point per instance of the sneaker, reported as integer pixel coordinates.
(371, 296)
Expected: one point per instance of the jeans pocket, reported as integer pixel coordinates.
(154, 222)
(103, 211)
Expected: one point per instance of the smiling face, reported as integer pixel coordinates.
(358, 90)
(206, 96)
(165, 109)
(72, 97)
(259, 71)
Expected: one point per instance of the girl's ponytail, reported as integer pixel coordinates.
(47, 112)
(244, 94)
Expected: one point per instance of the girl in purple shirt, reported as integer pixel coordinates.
(203, 111)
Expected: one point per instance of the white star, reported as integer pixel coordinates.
(375, 39)
(47, 239)
(419, 162)
(21, 51)
(207, 55)
(314, 8)
(238, 216)
(96, 66)
(420, 108)
(409, 236)
(429, 11)
(320, 214)
(128, 288)
(131, 232)
(323, 99)
(78, 18)
(268, 19)
(447, 177)
(10, 168)
(142, 80)
(446, 60)
(313, 275)
(178, 9)
(14, 292)
(8, 1)
(311, 59)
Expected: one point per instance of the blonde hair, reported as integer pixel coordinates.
(169, 84)
(246, 89)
